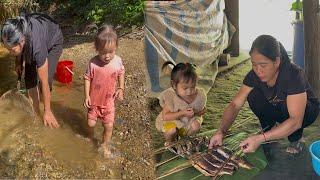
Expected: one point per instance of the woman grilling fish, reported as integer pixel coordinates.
(278, 92)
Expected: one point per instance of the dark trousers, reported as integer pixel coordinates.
(269, 114)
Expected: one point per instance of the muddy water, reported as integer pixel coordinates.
(68, 143)
(10, 123)
(7, 75)
(66, 146)
(28, 149)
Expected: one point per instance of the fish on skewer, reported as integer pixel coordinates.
(241, 162)
(213, 162)
(208, 168)
(222, 158)
(217, 163)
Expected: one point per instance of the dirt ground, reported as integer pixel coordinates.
(36, 153)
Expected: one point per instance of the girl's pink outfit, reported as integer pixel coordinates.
(103, 81)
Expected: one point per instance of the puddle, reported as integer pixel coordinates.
(9, 123)
(66, 146)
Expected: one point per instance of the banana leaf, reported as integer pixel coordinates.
(184, 170)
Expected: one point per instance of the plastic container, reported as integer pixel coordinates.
(315, 155)
(64, 71)
(298, 44)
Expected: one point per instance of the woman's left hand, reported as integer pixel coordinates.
(50, 120)
(251, 144)
(119, 94)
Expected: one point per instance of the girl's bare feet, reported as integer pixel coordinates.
(105, 150)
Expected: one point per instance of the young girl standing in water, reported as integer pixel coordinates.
(183, 104)
(101, 87)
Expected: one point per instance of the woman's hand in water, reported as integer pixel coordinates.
(119, 94)
(87, 102)
(50, 120)
(252, 143)
(188, 112)
(216, 139)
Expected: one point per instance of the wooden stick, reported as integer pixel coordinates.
(163, 162)
(233, 154)
(197, 176)
(158, 151)
(268, 142)
(240, 123)
(176, 169)
(223, 164)
(164, 148)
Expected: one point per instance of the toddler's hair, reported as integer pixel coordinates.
(106, 35)
(182, 72)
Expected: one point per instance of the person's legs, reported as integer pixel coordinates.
(170, 135)
(34, 97)
(53, 58)
(296, 138)
(91, 124)
(92, 120)
(31, 83)
(106, 138)
(194, 128)
(266, 112)
(310, 115)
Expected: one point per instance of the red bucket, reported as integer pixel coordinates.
(64, 71)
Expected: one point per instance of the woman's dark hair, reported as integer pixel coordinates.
(182, 72)
(106, 35)
(13, 30)
(270, 48)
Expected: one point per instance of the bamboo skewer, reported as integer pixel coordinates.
(197, 176)
(176, 169)
(240, 123)
(168, 160)
(233, 154)
(164, 148)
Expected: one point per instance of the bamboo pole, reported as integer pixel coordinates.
(197, 176)
(176, 169)
(168, 160)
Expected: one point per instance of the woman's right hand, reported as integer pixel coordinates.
(87, 102)
(216, 139)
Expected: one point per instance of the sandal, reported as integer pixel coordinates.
(295, 147)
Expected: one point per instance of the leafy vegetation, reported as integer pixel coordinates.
(297, 6)
(11, 8)
(116, 12)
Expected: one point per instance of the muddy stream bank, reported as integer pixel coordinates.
(30, 150)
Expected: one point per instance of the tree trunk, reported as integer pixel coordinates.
(312, 43)
(232, 13)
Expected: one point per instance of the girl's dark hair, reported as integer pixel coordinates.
(106, 35)
(182, 72)
(270, 48)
